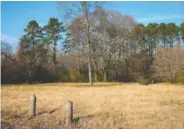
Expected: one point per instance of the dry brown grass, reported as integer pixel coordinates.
(106, 105)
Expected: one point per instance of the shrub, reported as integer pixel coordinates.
(75, 76)
(179, 77)
(144, 81)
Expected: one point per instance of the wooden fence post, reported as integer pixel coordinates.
(69, 112)
(33, 105)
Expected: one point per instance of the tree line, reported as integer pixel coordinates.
(97, 45)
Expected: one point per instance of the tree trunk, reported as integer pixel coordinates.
(105, 76)
(54, 59)
(96, 77)
(95, 71)
(89, 65)
(32, 64)
(126, 70)
(86, 11)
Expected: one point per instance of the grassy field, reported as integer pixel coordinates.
(106, 105)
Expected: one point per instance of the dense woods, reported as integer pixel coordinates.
(97, 45)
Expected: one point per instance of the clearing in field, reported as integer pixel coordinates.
(106, 105)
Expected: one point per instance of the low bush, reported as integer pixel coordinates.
(179, 77)
(74, 76)
(144, 81)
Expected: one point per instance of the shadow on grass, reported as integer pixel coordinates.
(48, 112)
(75, 120)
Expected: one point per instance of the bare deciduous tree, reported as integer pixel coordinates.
(167, 62)
(87, 11)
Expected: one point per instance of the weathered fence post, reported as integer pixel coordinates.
(69, 112)
(33, 106)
